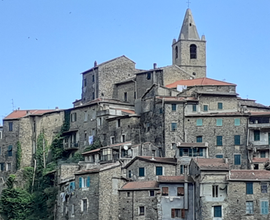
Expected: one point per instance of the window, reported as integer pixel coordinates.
(147, 125)
(119, 123)
(199, 122)
(182, 169)
(8, 166)
(148, 76)
(85, 116)
(220, 105)
(256, 135)
(219, 140)
(193, 51)
(237, 159)
(195, 152)
(174, 126)
(178, 213)
(219, 122)
(263, 154)
(194, 108)
(10, 126)
(141, 210)
(180, 191)
(93, 78)
(112, 140)
(160, 110)
(159, 171)
(199, 139)
(93, 95)
(129, 174)
(249, 188)
(256, 166)
(249, 207)
(84, 82)
(84, 182)
(173, 107)
(2, 166)
(123, 137)
(125, 97)
(176, 52)
(128, 194)
(152, 193)
(219, 156)
(205, 108)
(236, 139)
(84, 205)
(73, 117)
(237, 121)
(72, 185)
(264, 207)
(217, 211)
(9, 151)
(264, 187)
(165, 191)
(215, 191)
(141, 171)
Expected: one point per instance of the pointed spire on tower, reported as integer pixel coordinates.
(188, 30)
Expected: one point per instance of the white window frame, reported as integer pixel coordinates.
(86, 204)
(112, 138)
(139, 211)
(248, 210)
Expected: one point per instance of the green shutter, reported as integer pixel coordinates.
(249, 188)
(256, 135)
(237, 159)
(217, 211)
(80, 182)
(236, 139)
(181, 152)
(219, 140)
(219, 122)
(141, 171)
(88, 181)
(199, 122)
(237, 121)
(158, 171)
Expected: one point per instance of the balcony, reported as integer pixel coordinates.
(259, 125)
(71, 146)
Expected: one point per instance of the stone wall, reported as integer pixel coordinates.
(127, 87)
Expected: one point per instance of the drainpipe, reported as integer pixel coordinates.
(163, 129)
(132, 205)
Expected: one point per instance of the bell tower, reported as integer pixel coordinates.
(189, 51)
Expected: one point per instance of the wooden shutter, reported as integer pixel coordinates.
(165, 191)
(173, 213)
(180, 191)
(80, 182)
(182, 213)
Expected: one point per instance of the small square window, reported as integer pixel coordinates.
(148, 76)
(141, 210)
(152, 193)
(249, 207)
(180, 191)
(194, 108)
(237, 159)
(159, 171)
(199, 139)
(205, 108)
(256, 135)
(128, 194)
(215, 191)
(219, 141)
(125, 97)
(174, 126)
(264, 187)
(173, 107)
(84, 82)
(160, 110)
(10, 126)
(219, 156)
(165, 191)
(263, 154)
(129, 174)
(220, 105)
(84, 205)
(264, 207)
(219, 122)
(237, 121)
(119, 123)
(217, 211)
(112, 140)
(199, 122)
(2, 166)
(141, 171)
(93, 78)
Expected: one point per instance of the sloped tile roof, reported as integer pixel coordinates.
(176, 98)
(22, 113)
(171, 179)
(91, 151)
(199, 82)
(247, 175)
(140, 185)
(260, 160)
(211, 163)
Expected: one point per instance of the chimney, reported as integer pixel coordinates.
(154, 66)
(95, 64)
(56, 107)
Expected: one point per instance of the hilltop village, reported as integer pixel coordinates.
(159, 144)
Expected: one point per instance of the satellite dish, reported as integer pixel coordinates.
(125, 147)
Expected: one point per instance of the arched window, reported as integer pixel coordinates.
(193, 51)
(176, 52)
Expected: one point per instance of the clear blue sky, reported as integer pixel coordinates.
(46, 44)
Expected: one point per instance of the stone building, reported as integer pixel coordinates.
(23, 127)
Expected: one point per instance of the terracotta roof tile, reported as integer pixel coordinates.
(198, 82)
(176, 98)
(260, 160)
(253, 175)
(159, 159)
(185, 144)
(171, 179)
(22, 113)
(211, 163)
(260, 113)
(140, 185)
(127, 111)
(91, 151)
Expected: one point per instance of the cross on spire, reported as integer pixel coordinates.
(188, 2)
